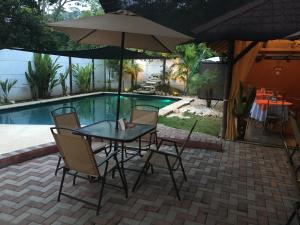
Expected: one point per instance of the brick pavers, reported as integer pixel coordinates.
(245, 184)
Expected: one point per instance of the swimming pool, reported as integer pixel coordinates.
(90, 109)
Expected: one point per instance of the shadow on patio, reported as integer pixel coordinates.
(246, 184)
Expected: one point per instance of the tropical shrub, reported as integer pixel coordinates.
(62, 81)
(6, 87)
(82, 75)
(133, 69)
(188, 62)
(113, 67)
(41, 76)
(205, 81)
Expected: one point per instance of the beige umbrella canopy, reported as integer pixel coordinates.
(107, 29)
(294, 36)
(124, 29)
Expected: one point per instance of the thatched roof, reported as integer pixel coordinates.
(257, 21)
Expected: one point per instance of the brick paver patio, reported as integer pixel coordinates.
(245, 184)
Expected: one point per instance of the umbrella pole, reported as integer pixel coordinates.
(120, 78)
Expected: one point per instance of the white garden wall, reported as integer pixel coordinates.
(14, 64)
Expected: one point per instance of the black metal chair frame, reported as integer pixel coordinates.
(89, 178)
(275, 118)
(292, 151)
(166, 155)
(71, 110)
(294, 213)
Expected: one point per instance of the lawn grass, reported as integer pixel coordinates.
(206, 124)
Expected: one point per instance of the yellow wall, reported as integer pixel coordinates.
(262, 74)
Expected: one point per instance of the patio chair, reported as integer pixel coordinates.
(296, 132)
(295, 216)
(275, 114)
(78, 157)
(144, 114)
(66, 117)
(165, 159)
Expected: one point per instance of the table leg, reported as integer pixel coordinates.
(140, 146)
(122, 164)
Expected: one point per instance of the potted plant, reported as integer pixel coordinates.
(242, 106)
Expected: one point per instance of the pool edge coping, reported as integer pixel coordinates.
(61, 98)
(26, 154)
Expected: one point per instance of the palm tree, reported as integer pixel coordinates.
(189, 61)
(133, 69)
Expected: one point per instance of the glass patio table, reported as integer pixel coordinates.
(107, 130)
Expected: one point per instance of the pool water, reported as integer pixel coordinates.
(89, 109)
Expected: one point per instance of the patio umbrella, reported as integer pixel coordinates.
(294, 36)
(124, 29)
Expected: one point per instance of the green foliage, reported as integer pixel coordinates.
(22, 25)
(206, 124)
(132, 68)
(41, 76)
(82, 75)
(190, 57)
(243, 104)
(62, 81)
(206, 80)
(6, 87)
(113, 67)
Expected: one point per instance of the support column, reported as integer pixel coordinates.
(164, 70)
(70, 76)
(227, 85)
(93, 75)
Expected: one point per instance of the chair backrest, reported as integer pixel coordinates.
(65, 117)
(75, 151)
(276, 107)
(144, 114)
(187, 138)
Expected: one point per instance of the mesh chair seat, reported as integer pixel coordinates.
(78, 156)
(66, 117)
(97, 145)
(100, 161)
(159, 161)
(166, 159)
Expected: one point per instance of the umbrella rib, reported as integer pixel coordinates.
(85, 36)
(159, 42)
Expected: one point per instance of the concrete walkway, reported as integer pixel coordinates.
(15, 137)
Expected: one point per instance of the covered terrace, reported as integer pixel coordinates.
(244, 184)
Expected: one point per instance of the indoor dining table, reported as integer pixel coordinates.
(260, 108)
(107, 130)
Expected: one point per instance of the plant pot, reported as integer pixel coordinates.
(241, 128)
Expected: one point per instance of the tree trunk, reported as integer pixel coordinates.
(208, 97)
(132, 81)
